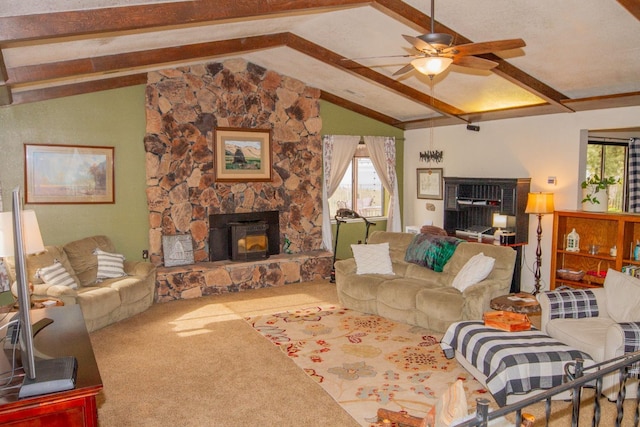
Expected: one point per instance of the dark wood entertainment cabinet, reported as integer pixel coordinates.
(66, 336)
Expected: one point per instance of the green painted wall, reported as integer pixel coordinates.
(117, 118)
(340, 121)
(110, 118)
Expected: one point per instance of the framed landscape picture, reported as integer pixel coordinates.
(242, 155)
(429, 183)
(68, 174)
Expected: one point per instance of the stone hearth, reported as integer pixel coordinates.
(219, 277)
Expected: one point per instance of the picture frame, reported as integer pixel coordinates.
(69, 174)
(242, 155)
(177, 250)
(429, 183)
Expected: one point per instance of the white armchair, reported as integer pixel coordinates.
(590, 320)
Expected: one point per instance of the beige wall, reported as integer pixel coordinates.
(535, 147)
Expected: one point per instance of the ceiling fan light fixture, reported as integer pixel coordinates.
(431, 65)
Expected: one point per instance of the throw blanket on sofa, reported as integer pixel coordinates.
(431, 251)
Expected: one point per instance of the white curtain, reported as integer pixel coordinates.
(337, 153)
(382, 151)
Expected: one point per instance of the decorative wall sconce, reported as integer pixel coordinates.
(432, 156)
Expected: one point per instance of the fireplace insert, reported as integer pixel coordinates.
(220, 234)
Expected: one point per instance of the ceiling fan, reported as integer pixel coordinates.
(435, 52)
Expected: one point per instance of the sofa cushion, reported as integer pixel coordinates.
(129, 288)
(572, 333)
(474, 271)
(98, 302)
(372, 259)
(37, 261)
(82, 259)
(431, 251)
(56, 274)
(110, 265)
(398, 243)
(623, 296)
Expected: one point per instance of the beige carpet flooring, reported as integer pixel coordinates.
(198, 363)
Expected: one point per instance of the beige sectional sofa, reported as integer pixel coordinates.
(102, 301)
(419, 295)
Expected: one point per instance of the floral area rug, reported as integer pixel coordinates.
(366, 362)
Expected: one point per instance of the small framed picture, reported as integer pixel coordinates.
(429, 183)
(177, 249)
(242, 155)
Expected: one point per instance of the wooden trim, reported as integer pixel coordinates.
(78, 88)
(357, 108)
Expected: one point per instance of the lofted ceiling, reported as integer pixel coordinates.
(579, 54)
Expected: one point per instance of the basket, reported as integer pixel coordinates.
(598, 275)
(568, 274)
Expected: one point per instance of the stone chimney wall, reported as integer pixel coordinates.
(184, 106)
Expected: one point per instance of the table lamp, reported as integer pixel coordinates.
(539, 204)
(499, 221)
(32, 238)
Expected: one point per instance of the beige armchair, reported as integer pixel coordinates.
(590, 320)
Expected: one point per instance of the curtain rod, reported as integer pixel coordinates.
(607, 138)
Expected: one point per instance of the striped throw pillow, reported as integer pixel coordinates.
(56, 274)
(109, 265)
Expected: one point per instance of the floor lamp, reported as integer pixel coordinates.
(539, 204)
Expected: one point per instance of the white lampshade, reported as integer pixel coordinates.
(431, 65)
(499, 221)
(32, 237)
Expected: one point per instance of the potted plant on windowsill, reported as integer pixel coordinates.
(595, 193)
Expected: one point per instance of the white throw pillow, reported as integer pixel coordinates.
(109, 265)
(623, 296)
(372, 259)
(56, 274)
(475, 270)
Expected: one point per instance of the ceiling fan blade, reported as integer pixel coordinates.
(485, 47)
(403, 70)
(421, 45)
(474, 62)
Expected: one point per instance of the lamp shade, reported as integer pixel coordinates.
(540, 203)
(431, 65)
(32, 237)
(499, 221)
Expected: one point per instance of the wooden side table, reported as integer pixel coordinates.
(520, 302)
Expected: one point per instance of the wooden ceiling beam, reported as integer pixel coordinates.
(158, 57)
(157, 15)
(357, 108)
(338, 61)
(633, 6)
(412, 16)
(53, 92)
(5, 90)
(139, 59)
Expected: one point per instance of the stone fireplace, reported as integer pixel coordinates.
(184, 106)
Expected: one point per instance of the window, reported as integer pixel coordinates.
(610, 159)
(362, 184)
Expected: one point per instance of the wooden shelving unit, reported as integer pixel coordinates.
(603, 229)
